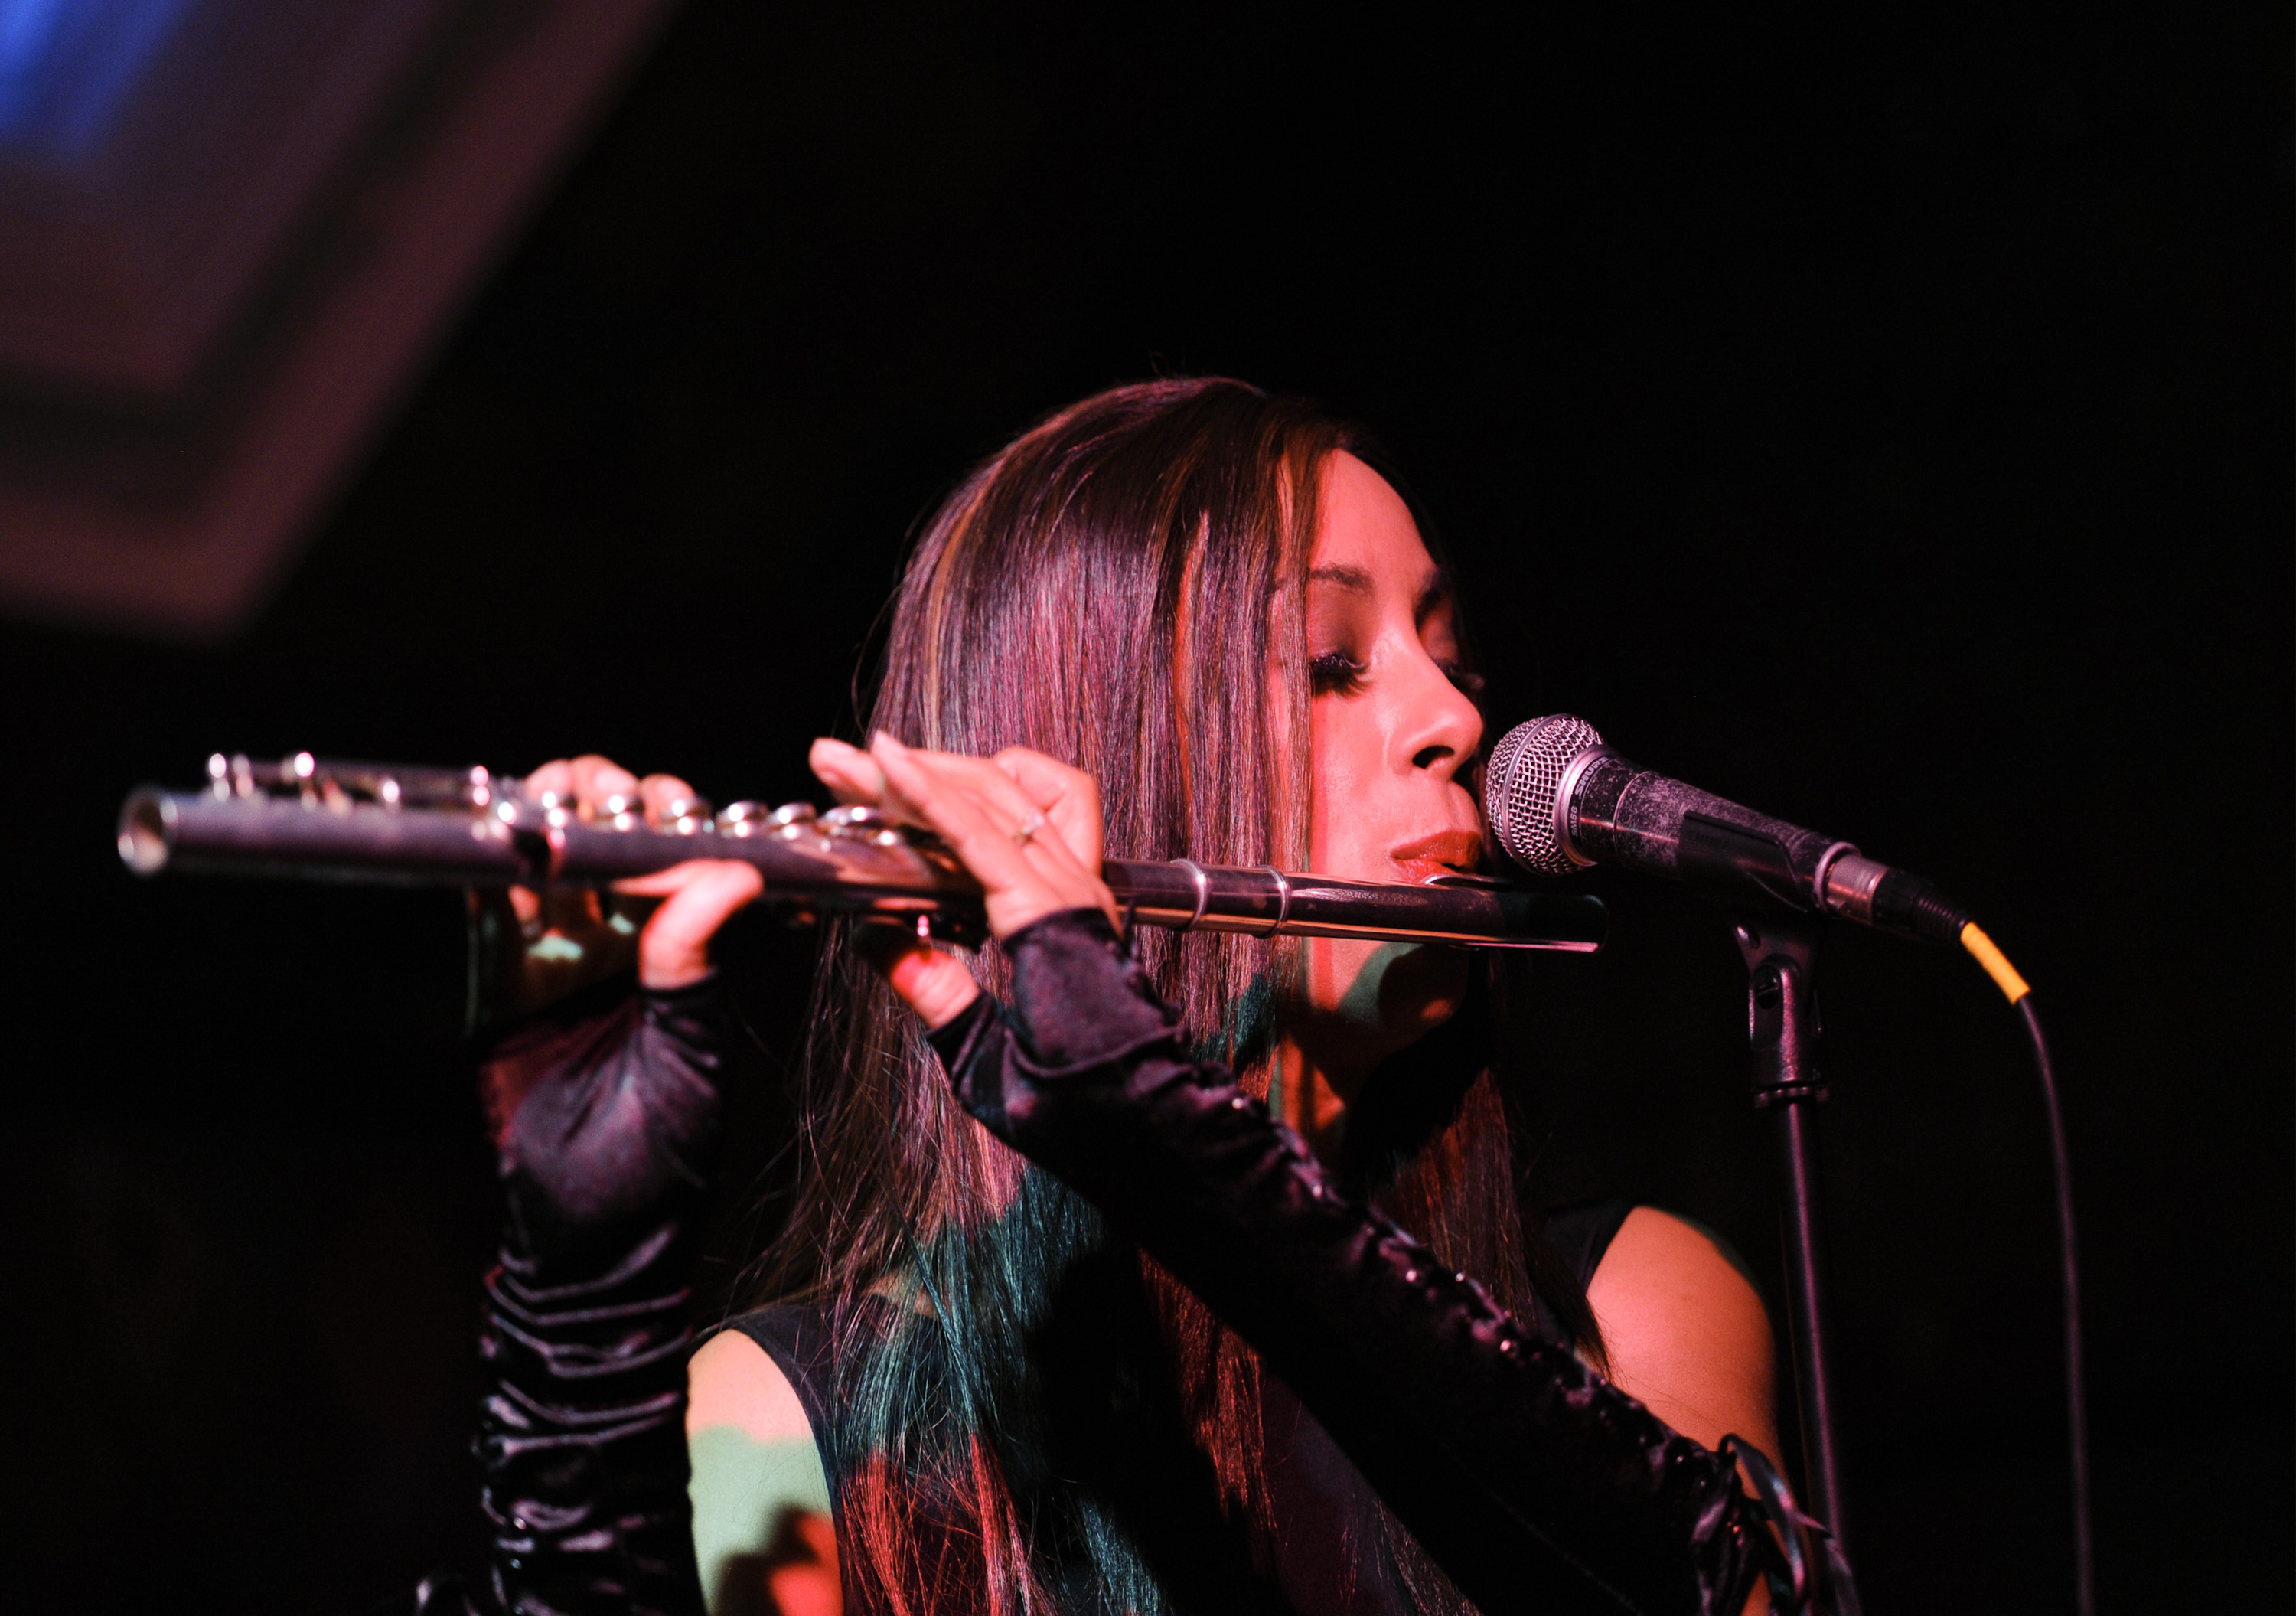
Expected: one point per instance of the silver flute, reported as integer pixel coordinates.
(377, 824)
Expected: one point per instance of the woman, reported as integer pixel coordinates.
(1210, 605)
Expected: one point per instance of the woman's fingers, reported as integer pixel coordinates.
(1011, 806)
(1069, 798)
(602, 787)
(1027, 790)
(851, 775)
(1025, 876)
(958, 816)
(1027, 826)
(594, 783)
(858, 776)
(557, 776)
(1017, 784)
(569, 914)
(1012, 810)
(698, 897)
(937, 986)
(673, 948)
(662, 795)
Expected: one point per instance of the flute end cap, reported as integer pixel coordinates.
(146, 827)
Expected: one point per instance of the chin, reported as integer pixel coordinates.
(1371, 999)
(1430, 1016)
(1423, 990)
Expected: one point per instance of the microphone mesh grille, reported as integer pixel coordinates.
(1518, 787)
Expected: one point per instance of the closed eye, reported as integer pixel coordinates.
(1334, 673)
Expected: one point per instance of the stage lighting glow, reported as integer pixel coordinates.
(68, 69)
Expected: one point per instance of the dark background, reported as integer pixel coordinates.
(1883, 419)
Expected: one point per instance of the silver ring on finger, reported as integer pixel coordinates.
(1030, 826)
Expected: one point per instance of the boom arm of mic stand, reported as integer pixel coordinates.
(1783, 1028)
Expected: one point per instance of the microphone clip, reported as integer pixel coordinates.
(1783, 1022)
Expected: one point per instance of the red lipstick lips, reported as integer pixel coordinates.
(1444, 852)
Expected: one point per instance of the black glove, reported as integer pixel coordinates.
(605, 1115)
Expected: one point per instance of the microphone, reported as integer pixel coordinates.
(1558, 799)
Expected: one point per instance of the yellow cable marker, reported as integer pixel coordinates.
(1996, 963)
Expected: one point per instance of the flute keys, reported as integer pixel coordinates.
(858, 822)
(556, 809)
(685, 817)
(787, 822)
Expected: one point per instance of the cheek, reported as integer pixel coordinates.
(1333, 965)
(1341, 838)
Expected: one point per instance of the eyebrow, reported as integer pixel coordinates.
(1436, 592)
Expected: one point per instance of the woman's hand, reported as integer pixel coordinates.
(1026, 827)
(566, 941)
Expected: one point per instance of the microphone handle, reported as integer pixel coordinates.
(1615, 812)
(1620, 813)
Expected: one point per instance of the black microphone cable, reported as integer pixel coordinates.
(2019, 994)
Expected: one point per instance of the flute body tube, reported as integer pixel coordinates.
(379, 825)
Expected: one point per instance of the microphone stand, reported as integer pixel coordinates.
(1783, 1027)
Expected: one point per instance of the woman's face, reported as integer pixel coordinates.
(1392, 734)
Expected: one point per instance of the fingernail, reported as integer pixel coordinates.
(885, 740)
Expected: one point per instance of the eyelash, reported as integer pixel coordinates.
(1336, 673)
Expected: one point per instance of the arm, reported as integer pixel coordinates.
(606, 1132)
(1529, 1478)
(603, 1110)
(762, 1530)
(1687, 1335)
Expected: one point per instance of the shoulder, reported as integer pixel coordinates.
(733, 1382)
(1685, 1330)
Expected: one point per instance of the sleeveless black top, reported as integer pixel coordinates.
(1328, 1554)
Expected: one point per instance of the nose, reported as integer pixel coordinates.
(1443, 730)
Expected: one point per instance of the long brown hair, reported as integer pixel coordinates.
(1121, 588)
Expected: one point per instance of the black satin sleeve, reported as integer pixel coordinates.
(605, 1118)
(1532, 1481)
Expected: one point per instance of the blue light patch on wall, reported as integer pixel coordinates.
(68, 67)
